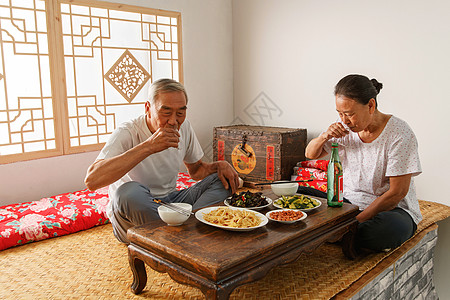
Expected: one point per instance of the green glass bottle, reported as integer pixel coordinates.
(335, 179)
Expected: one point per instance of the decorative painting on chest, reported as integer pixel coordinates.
(243, 158)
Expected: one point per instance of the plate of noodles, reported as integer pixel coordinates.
(231, 218)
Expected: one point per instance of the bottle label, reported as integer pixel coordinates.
(341, 188)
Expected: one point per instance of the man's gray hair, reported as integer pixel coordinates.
(164, 85)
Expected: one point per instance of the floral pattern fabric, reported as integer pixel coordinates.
(184, 181)
(58, 215)
(316, 164)
(311, 173)
(312, 169)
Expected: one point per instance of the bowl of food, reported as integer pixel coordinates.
(281, 188)
(286, 215)
(172, 217)
(297, 201)
(249, 200)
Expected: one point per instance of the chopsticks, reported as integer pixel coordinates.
(174, 207)
(280, 182)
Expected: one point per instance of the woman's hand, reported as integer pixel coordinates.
(335, 130)
(315, 150)
(398, 189)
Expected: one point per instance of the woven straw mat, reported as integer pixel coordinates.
(93, 265)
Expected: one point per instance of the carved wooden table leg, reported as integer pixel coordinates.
(139, 274)
(219, 293)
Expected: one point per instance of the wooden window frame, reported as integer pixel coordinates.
(58, 75)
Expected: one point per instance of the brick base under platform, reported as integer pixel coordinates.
(406, 274)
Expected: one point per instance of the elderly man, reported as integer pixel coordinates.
(142, 158)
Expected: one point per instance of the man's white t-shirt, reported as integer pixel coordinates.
(368, 166)
(158, 171)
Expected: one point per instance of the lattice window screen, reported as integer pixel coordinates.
(102, 59)
(27, 115)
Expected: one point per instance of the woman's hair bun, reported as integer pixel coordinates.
(378, 85)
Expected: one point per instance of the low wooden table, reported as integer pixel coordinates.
(217, 261)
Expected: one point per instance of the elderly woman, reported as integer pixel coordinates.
(379, 155)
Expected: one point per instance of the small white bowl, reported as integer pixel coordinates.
(173, 218)
(284, 189)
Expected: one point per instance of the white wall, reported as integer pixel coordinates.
(208, 77)
(296, 51)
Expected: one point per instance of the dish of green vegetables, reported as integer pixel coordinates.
(297, 201)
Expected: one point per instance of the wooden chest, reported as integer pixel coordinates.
(260, 153)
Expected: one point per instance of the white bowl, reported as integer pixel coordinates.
(173, 218)
(284, 189)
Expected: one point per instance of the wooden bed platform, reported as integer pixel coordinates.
(93, 264)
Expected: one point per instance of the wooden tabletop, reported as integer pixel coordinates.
(217, 254)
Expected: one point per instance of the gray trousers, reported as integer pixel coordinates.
(134, 203)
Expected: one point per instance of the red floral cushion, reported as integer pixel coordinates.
(311, 173)
(50, 217)
(184, 181)
(320, 185)
(317, 164)
(58, 215)
(312, 169)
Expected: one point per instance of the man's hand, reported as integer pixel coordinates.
(107, 171)
(163, 138)
(224, 170)
(228, 176)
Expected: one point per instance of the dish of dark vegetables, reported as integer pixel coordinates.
(248, 200)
